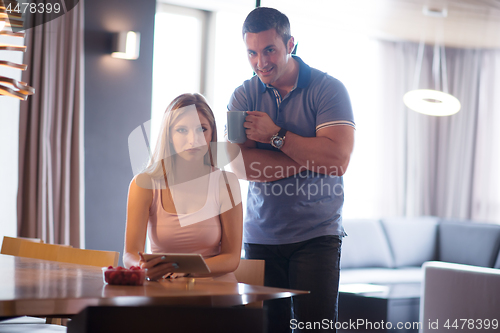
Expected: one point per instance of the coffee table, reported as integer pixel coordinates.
(379, 308)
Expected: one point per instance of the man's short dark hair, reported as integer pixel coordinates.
(264, 18)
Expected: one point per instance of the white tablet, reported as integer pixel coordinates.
(192, 263)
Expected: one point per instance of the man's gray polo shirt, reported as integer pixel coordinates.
(309, 204)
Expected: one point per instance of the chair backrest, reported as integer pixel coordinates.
(62, 253)
(88, 257)
(29, 247)
(250, 271)
(11, 245)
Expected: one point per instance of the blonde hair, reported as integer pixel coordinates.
(164, 151)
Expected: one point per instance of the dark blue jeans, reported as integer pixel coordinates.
(312, 265)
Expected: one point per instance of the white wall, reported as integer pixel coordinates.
(9, 143)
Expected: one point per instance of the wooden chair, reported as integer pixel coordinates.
(88, 257)
(29, 248)
(251, 271)
(11, 245)
(35, 248)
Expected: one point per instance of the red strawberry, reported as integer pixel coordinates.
(134, 278)
(118, 278)
(112, 276)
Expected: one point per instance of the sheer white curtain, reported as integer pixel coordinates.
(442, 166)
(486, 181)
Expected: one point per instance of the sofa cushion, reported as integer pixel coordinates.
(381, 275)
(497, 264)
(366, 245)
(412, 241)
(468, 243)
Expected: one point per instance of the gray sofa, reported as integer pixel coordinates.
(387, 255)
(392, 250)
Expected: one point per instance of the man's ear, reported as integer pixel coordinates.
(290, 45)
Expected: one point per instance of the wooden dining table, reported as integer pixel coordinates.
(47, 288)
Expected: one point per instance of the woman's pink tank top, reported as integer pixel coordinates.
(198, 232)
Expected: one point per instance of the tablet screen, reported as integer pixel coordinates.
(192, 263)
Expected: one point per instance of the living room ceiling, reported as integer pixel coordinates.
(468, 23)
(455, 23)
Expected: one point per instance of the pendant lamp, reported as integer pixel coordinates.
(437, 102)
(8, 19)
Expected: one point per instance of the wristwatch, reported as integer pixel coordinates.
(278, 139)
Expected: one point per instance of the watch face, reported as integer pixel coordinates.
(277, 142)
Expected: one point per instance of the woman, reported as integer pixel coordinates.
(184, 202)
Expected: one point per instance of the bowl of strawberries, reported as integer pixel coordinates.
(134, 276)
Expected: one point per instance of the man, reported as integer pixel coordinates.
(299, 140)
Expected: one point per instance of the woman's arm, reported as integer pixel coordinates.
(231, 218)
(140, 197)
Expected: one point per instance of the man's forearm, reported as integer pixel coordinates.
(318, 154)
(263, 165)
(323, 154)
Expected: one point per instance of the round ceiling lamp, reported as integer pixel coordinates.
(437, 102)
(432, 102)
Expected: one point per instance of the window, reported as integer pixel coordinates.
(178, 57)
(198, 51)
(352, 58)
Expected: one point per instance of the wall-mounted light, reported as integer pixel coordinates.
(126, 45)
